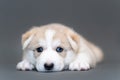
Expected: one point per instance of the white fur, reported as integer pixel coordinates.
(50, 55)
(56, 43)
(28, 61)
(70, 56)
(49, 36)
(84, 60)
(29, 56)
(80, 63)
(42, 43)
(23, 65)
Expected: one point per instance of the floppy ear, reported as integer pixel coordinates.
(27, 37)
(74, 40)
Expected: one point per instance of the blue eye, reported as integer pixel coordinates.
(39, 49)
(59, 49)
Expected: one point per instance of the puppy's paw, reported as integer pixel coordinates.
(24, 66)
(79, 66)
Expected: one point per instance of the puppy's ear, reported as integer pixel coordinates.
(74, 40)
(27, 37)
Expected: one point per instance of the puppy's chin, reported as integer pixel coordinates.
(40, 68)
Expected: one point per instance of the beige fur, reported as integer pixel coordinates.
(79, 54)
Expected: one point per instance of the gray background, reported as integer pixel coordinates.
(97, 20)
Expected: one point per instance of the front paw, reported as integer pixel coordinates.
(24, 66)
(79, 66)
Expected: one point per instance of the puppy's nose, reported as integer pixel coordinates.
(48, 66)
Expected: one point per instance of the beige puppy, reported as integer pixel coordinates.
(55, 47)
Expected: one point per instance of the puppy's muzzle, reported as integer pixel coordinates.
(49, 66)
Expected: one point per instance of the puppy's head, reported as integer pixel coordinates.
(54, 46)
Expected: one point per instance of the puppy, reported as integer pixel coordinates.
(55, 47)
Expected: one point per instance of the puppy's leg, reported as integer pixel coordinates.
(27, 62)
(24, 65)
(86, 58)
(82, 62)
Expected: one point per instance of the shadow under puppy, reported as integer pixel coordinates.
(54, 47)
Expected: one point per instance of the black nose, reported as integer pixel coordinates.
(48, 66)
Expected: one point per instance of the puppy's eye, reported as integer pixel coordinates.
(59, 49)
(39, 49)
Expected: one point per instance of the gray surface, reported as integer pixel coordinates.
(102, 72)
(97, 20)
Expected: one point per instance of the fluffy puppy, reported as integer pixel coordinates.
(55, 47)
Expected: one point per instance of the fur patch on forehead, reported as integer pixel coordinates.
(49, 34)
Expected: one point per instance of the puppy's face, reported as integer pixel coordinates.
(52, 49)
